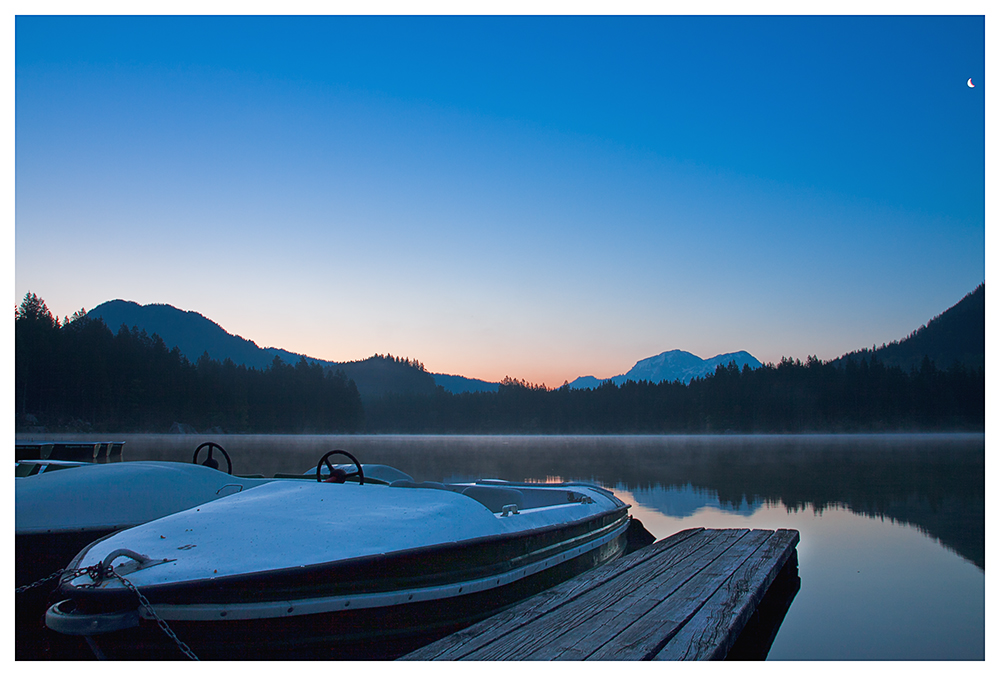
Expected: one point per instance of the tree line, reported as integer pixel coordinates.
(78, 374)
(792, 396)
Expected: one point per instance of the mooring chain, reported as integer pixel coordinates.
(75, 572)
(99, 572)
(159, 620)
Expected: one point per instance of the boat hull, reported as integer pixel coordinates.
(374, 633)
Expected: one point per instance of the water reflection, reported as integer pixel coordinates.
(686, 501)
(935, 483)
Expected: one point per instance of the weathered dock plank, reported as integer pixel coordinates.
(684, 597)
(656, 626)
(621, 629)
(722, 618)
(462, 643)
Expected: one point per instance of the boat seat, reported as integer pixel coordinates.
(495, 497)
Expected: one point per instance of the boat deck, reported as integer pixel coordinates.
(686, 597)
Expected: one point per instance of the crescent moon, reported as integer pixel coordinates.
(970, 83)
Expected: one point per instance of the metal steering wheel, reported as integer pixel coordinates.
(339, 476)
(210, 461)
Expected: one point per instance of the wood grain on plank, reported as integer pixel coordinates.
(539, 639)
(718, 624)
(462, 643)
(685, 597)
(646, 636)
(641, 596)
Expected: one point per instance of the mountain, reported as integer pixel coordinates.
(956, 335)
(590, 382)
(670, 366)
(684, 366)
(194, 334)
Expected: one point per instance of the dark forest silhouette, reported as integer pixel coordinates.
(791, 396)
(956, 335)
(78, 375)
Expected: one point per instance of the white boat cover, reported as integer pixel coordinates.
(117, 495)
(282, 525)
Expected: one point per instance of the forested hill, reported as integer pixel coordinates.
(191, 332)
(195, 335)
(956, 335)
(380, 375)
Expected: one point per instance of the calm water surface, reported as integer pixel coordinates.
(892, 551)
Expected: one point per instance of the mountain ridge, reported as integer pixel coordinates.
(192, 332)
(194, 335)
(956, 335)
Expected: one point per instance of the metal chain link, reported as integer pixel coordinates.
(75, 572)
(159, 620)
(97, 574)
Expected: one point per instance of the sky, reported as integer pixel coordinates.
(541, 197)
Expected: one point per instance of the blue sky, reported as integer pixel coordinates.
(539, 197)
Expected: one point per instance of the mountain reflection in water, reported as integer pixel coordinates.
(686, 501)
(935, 483)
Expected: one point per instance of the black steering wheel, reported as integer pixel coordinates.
(210, 461)
(339, 476)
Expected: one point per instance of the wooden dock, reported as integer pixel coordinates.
(686, 597)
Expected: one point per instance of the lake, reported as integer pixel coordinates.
(892, 551)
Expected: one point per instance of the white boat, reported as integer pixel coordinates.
(294, 569)
(57, 513)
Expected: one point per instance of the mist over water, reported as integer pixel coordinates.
(892, 551)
